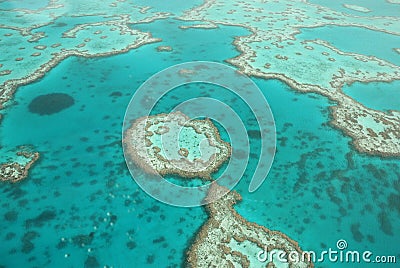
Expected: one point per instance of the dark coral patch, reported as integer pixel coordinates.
(11, 216)
(394, 202)
(254, 134)
(27, 245)
(150, 259)
(50, 103)
(41, 219)
(83, 239)
(131, 245)
(91, 262)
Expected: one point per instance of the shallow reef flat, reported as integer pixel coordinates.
(174, 144)
(37, 40)
(79, 206)
(223, 239)
(357, 8)
(273, 51)
(18, 163)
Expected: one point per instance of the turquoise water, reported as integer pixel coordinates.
(82, 180)
(375, 95)
(175, 7)
(80, 200)
(30, 4)
(319, 189)
(377, 7)
(81, 184)
(378, 96)
(363, 41)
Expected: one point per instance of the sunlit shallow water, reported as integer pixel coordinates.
(80, 206)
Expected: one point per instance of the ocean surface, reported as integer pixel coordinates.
(79, 207)
(363, 41)
(376, 7)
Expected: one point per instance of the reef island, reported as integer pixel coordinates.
(175, 144)
(273, 50)
(17, 169)
(228, 240)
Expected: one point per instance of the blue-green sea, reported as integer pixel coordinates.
(377, 7)
(79, 207)
(363, 41)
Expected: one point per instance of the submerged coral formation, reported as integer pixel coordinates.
(87, 34)
(174, 144)
(272, 50)
(164, 48)
(357, 8)
(50, 103)
(228, 240)
(86, 29)
(15, 171)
